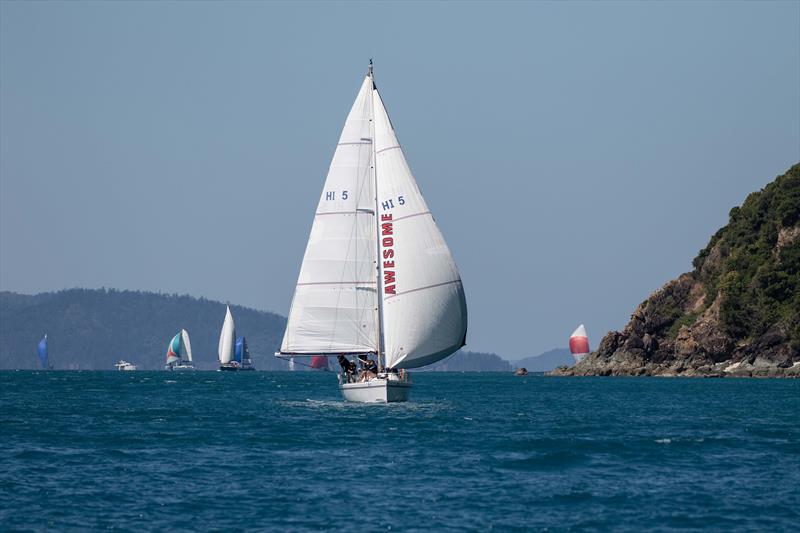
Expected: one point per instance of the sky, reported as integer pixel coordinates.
(576, 156)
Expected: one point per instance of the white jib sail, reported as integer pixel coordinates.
(187, 347)
(227, 338)
(424, 307)
(334, 308)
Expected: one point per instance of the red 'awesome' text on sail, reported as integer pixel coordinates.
(387, 241)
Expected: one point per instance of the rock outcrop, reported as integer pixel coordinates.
(736, 314)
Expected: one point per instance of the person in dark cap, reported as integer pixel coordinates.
(348, 367)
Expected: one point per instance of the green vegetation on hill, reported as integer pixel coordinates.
(737, 313)
(754, 261)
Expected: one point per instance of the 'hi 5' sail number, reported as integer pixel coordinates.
(385, 206)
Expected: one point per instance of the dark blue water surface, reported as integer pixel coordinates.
(281, 451)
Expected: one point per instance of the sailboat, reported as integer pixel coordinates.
(44, 359)
(179, 352)
(579, 343)
(377, 278)
(319, 362)
(227, 342)
(242, 355)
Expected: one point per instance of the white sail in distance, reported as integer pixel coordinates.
(187, 347)
(227, 338)
(334, 308)
(424, 306)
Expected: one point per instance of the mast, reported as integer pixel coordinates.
(379, 309)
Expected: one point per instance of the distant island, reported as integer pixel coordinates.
(546, 361)
(91, 329)
(736, 314)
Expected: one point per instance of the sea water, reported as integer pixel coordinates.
(281, 451)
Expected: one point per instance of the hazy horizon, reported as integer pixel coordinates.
(575, 155)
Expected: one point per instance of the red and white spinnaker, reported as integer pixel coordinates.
(579, 343)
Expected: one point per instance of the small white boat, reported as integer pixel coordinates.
(579, 343)
(377, 277)
(179, 353)
(125, 366)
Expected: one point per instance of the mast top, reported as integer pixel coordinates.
(369, 72)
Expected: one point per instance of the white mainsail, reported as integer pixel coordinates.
(187, 347)
(424, 307)
(421, 316)
(227, 338)
(334, 309)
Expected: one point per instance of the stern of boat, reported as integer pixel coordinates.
(384, 388)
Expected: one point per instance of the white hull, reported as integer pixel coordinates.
(179, 368)
(377, 390)
(236, 367)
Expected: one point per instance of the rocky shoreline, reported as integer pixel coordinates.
(737, 314)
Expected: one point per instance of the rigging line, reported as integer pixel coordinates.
(356, 212)
(414, 215)
(337, 283)
(424, 288)
(388, 148)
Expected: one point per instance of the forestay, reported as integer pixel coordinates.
(334, 309)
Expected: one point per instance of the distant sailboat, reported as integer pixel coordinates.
(242, 355)
(579, 343)
(179, 352)
(377, 277)
(44, 359)
(227, 343)
(319, 362)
